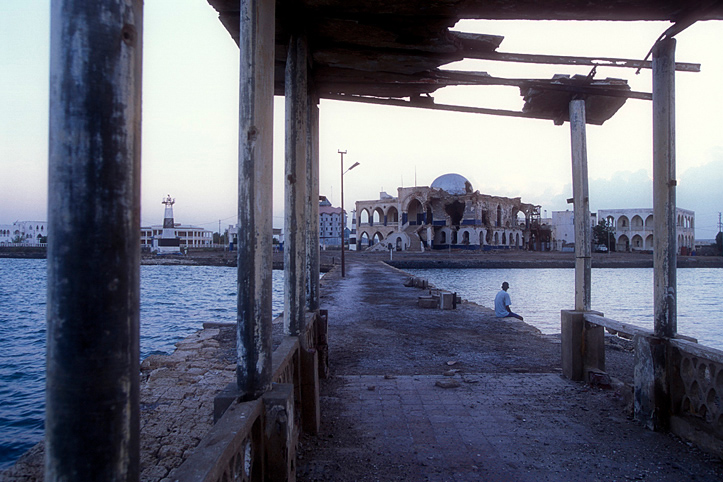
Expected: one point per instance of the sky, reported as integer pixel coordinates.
(190, 122)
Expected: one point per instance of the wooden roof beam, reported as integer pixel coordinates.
(598, 87)
(428, 103)
(568, 60)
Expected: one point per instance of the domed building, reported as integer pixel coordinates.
(447, 214)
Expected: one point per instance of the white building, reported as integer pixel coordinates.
(232, 235)
(634, 228)
(171, 237)
(563, 229)
(330, 223)
(24, 232)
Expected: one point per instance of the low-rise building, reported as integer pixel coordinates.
(448, 214)
(563, 229)
(171, 237)
(28, 233)
(634, 228)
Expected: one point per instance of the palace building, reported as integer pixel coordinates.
(448, 214)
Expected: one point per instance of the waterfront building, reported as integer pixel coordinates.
(330, 223)
(171, 237)
(232, 236)
(448, 214)
(634, 228)
(26, 233)
(562, 224)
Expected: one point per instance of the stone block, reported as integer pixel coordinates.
(598, 378)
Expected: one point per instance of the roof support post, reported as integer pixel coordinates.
(295, 196)
(583, 265)
(93, 293)
(664, 183)
(256, 130)
(312, 220)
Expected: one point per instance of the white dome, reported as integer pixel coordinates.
(453, 184)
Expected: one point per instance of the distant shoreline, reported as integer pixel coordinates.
(458, 259)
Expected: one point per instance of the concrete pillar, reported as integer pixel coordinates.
(312, 220)
(652, 400)
(92, 378)
(279, 434)
(256, 102)
(582, 346)
(664, 182)
(583, 265)
(295, 197)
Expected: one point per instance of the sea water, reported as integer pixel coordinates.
(623, 294)
(175, 302)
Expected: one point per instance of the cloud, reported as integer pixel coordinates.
(699, 189)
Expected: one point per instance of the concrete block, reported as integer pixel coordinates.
(447, 301)
(583, 344)
(427, 302)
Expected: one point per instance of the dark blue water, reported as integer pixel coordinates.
(621, 294)
(175, 302)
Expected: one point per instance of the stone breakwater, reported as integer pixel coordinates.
(176, 402)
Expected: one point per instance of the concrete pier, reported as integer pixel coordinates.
(460, 395)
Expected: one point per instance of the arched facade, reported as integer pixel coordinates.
(634, 229)
(433, 218)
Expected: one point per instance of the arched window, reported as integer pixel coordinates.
(499, 216)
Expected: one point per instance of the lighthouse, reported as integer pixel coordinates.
(169, 242)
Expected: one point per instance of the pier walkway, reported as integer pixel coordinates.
(425, 394)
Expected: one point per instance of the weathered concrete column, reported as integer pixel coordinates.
(582, 345)
(256, 83)
(664, 182)
(92, 384)
(583, 265)
(295, 197)
(280, 436)
(312, 219)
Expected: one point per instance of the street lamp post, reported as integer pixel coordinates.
(343, 272)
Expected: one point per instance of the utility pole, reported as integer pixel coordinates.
(342, 212)
(343, 224)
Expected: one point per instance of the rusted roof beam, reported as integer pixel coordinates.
(423, 103)
(567, 60)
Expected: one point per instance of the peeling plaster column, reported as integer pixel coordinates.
(583, 265)
(312, 221)
(664, 183)
(256, 130)
(295, 198)
(93, 294)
